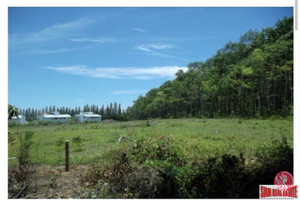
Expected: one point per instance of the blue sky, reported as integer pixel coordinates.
(77, 56)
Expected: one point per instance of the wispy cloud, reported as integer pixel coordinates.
(53, 51)
(142, 48)
(50, 33)
(155, 46)
(155, 49)
(79, 100)
(96, 40)
(160, 46)
(60, 50)
(140, 30)
(128, 92)
(145, 73)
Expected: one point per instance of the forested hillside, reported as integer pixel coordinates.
(249, 78)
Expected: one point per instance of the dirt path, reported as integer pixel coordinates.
(54, 182)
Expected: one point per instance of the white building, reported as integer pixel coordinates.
(55, 117)
(21, 119)
(88, 116)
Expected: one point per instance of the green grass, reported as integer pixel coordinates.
(198, 138)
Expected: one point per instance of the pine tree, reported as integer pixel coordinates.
(119, 110)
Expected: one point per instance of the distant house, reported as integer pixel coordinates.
(21, 119)
(55, 117)
(88, 116)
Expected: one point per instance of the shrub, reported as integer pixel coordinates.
(59, 142)
(19, 178)
(108, 178)
(156, 168)
(72, 120)
(142, 183)
(11, 124)
(270, 160)
(77, 142)
(43, 122)
(159, 148)
(278, 154)
(25, 143)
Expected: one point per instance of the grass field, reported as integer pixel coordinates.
(196, 137)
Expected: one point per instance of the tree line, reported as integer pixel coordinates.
(111, 111)
(249, 78)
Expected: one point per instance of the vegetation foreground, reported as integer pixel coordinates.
(172, 158)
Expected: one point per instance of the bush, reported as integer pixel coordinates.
(159, 148)
(142, 183)
(278, 154)
(72, 121)
(43, 122)
(19, 177)
(270, 160)
(229, 177)
(59, 142)
(156, 168)
(218, 177)
(109, 178)
(25, 143)
(77, 142)
(12, 124)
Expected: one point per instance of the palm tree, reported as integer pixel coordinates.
(12, 111)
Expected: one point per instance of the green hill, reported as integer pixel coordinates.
(249, 78)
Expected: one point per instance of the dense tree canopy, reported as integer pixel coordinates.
(249, 78)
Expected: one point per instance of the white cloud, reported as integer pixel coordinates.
(142, 48)
(50, 33)
(59, 50)
(161, 46)
(79, 100)
(145, 73)
(127, 92)
(52, 51)
(155, 46)
(154, 49)
(139, 30)
(96, 40)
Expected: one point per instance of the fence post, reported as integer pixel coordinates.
(67, 155)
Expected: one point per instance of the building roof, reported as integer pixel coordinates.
(56, 116)
(46, 115)
(93, 115)
(88, 114)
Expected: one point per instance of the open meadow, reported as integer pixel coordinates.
(166, 158)
(92, 143)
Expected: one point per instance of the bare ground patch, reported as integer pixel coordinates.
(54, 182)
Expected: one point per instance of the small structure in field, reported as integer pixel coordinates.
(21, 119)
(88, 117)
(55, 117)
